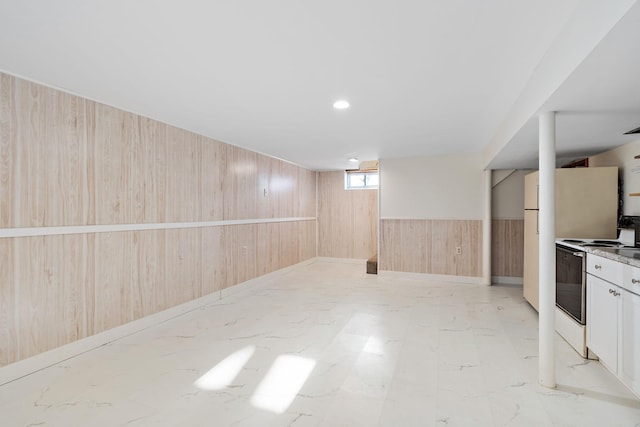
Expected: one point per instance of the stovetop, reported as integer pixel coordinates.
(593, 243)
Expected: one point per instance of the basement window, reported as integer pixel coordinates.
(357, 180)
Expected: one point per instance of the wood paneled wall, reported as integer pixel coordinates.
(67, 161)
(507, 247)
(429, 246)
(347, 219)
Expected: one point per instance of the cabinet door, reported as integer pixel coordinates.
(531, 258)
(587, 202)
(630, 337)
(602, 321)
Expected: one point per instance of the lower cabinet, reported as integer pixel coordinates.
(630, 340)
(602, 321)
(613, 317)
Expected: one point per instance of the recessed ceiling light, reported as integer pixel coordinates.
(353, 159)
(341, 104)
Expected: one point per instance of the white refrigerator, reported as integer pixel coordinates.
(586, 207)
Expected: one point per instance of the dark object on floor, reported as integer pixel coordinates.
(372, 265)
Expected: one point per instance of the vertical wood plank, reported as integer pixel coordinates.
(507, 247)
(268, 246)
(183, 176)
(214, 166)
(112, 280)
(229, 185)
(32, 167)
(214, 272)
(9, 189)
(386, 256)
(182, 260)
(230, 249)
(8, 323)
(148, 285)
(148, 172)
(288, 190)
(245, 252)
(241, 183)
(307, 238)
(441, 248)
(89, 288)
(65, 178)
(307, 200)
(328, 195)
(264, 205)
(287, 244)
(262, 249)
(300, 233)
(50, 296)
(468, 237)
(365, 223)
(413, 246)
(245, 171)
(112, 133)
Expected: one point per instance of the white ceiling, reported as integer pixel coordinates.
(424, 77)
(596, 105)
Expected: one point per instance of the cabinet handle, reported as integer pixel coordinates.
(597, 267)
(635, 281)
(615, 294)
(611, 291)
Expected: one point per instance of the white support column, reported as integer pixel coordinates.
(547, 276)
(486, 230)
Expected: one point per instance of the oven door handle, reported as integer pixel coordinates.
(578, 254)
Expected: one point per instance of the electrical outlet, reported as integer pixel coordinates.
(458, 250)
(244, 250)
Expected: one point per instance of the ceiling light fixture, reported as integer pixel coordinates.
(341, 104)
(353, 159)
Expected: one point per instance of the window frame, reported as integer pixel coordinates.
(365, 173)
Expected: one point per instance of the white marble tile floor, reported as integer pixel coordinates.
(327, 345)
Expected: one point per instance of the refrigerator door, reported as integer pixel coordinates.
(531, 189)
(586, 201)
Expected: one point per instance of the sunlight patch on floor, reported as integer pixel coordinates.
(223, 374)
(284, 380)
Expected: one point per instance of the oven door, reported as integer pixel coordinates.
(570, 282)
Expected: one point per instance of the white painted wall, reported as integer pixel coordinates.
(438, 187)
(507, 195)
(628, 170)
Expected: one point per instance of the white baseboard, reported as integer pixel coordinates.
(506, 280)
(250, 284)
(431, 277)
(342, 260)
(43, 360)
